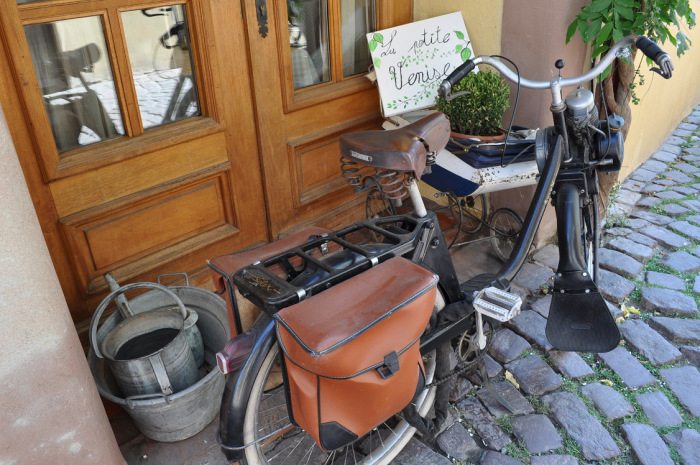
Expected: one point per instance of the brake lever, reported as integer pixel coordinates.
(665, 68)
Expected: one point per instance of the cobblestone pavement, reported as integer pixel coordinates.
(636, 404)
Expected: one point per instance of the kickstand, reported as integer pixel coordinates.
(491, 388)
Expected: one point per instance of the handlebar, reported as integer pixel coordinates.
(648, 47)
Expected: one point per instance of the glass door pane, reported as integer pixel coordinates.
(158, 42)
(357, 18)
(75, 78)
(309, 42)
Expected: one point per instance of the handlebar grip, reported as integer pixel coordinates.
(454, 77)
(657, 55)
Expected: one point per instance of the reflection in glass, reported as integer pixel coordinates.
(158, 42)
(75, 77)
(308, 39)
(357, 19)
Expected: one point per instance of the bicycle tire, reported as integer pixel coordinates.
(380, 446)
(504, 228)
(474, 212)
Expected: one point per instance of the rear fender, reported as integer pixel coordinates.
(238, 389)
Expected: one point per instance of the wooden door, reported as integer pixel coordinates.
(309, 60)
(135, 128)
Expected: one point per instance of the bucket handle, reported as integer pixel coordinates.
(130, 400)
(103, 305)
(181, 273)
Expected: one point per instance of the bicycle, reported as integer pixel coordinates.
(254, 427)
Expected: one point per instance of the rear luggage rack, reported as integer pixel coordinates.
(323, 261)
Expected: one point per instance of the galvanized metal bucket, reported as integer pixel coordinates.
(181, 415)
(148, 352)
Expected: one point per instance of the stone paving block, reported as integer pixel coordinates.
(608, 401)
(637, 223)
(677, 330)
(686, 229)
(696, 251)
(691, 354)
(643, 175)
(649, 343)
(692, 204)
(648, 202)
(627, 367)
(686, 168)
(654, 165)
(628, 197)
(673, 209)
(646, 444)
(666, 156)
(548, 256)
(417, 453)
(493, 368)
(696, 285)
(686, 190)
(532, 277)
(684, 382)
(456, 442)
(553, 459)
(614, 287)
(507, 346)
(687, 444)
(614, 310)
(534, 376)
(619, 263)
(531, 325)
(681, 261)
(542, 305)
(496, 458)
(667, 301)
(682, 133)
(693, 219)
(659, 409)
(461, 388)
(652, 188)
(571, 414)
(484, 425)
(642, 239)
(537, 433)
(672, 145)
(570, 364)
(639, 252)
(664, 280)
(688, 126)
(665, 237)
(631, 184)
(677, 176)
(669, 195)
(516, 400)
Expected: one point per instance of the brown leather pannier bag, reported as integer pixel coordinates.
(351, 353)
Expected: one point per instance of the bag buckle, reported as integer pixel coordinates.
(390, 367)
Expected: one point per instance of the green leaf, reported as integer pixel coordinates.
(626, 12)
(372, 45)
(604, 34)
(466, 53)
(597, 6)
(598, 50)
(617, 35)
(605, 73)
(627, 3)
(377, 63)
(378, 37)
(460, 35)
(571, 30)
(459, 48)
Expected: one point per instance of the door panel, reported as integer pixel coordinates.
(300, 120)
(181, 184)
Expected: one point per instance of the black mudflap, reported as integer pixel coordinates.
(579, 319)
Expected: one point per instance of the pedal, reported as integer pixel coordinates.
(497, 304)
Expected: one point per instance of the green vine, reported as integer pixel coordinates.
(605, 22)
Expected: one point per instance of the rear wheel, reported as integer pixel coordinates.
(474, 212)
(505, 226)
(266, 413)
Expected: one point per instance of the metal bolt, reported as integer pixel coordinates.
(588, 291)
(585, 274)
(581, 191)
(559, 275)
(435, 242)
(562, 291)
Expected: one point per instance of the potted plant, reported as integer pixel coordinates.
(479, 113)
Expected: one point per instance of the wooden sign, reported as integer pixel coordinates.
(413, 59)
